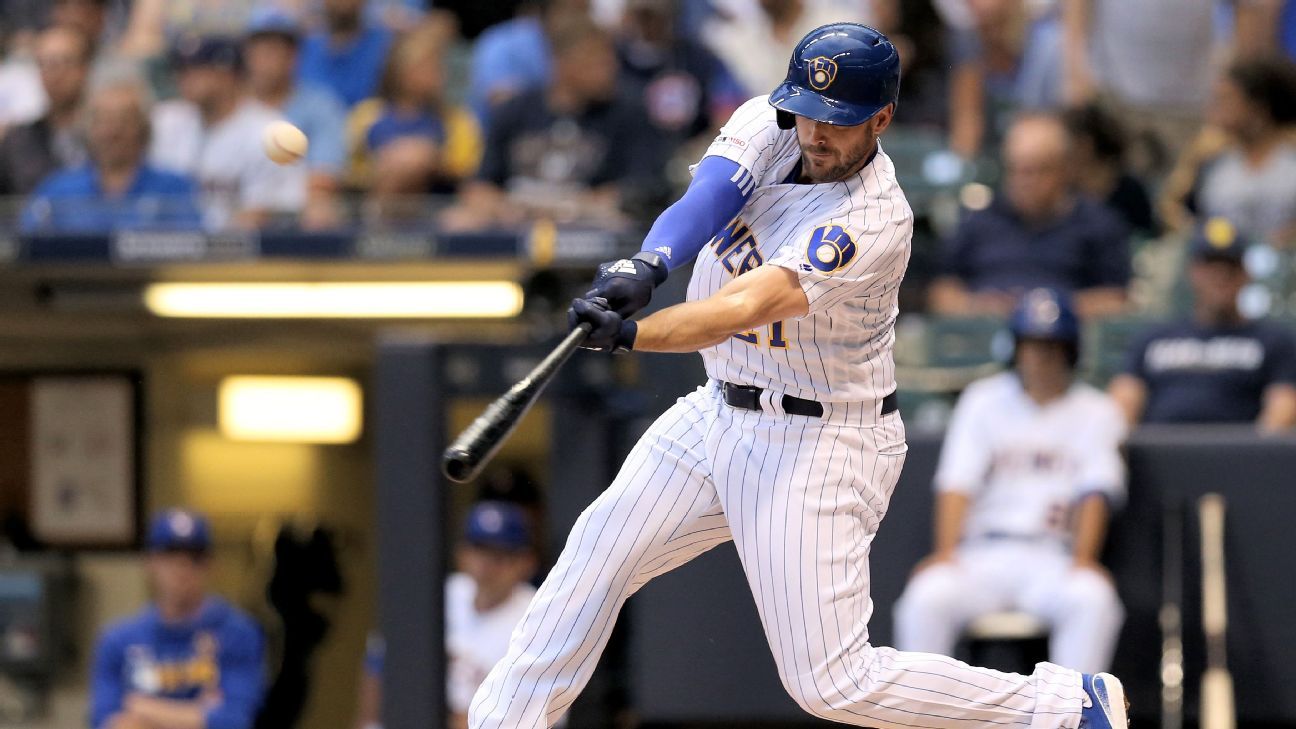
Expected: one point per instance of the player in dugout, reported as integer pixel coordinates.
(188, 661)
(1030, 466)
(484, 600)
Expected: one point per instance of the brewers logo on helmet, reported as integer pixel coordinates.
(822, 72)
(1046, 313)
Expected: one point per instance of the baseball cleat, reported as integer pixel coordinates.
(1105, 704)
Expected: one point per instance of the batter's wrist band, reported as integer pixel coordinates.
(625, 338)
(655, 263)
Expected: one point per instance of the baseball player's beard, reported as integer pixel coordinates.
(847, 163)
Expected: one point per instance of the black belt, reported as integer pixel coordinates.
(748, 398)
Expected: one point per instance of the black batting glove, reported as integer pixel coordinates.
(627, 284)
(610, 332)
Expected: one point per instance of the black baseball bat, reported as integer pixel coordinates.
(474, 447)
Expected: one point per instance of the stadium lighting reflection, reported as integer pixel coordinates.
(337, 300)
(290, 409)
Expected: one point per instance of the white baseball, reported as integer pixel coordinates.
(284, 143)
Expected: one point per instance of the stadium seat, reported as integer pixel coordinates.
(962, 342)
(1105, 345)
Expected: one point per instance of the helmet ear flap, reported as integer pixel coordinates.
(785, 120)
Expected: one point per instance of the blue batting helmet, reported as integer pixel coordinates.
(498, 524)
(1045, 313)
(841, 73)
(179, 530)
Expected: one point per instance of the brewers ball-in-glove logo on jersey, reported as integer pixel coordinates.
(823, 71)
(830, 248)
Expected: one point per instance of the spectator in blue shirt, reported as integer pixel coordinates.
(189, 660)
(1038, 232)
(1217, 366)
(346, 56)
(514, 56)
(270, 53)
(115, 190)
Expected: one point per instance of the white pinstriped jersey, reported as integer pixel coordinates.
(1025, 465)
(847, 241)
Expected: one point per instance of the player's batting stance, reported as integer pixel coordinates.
(793, 447)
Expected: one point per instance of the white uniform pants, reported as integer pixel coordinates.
(1080, 607)
(802, 499)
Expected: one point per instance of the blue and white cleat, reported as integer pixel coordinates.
(1105, 703)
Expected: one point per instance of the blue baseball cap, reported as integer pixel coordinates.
(498, 525)
(179, 530)
(212, 50)
(271, 20)
(1218, 240)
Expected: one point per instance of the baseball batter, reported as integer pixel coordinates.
(801, 237)
(1030, 464)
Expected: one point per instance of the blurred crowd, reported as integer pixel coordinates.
(1072, 137)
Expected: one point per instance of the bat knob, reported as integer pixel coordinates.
(458, 465)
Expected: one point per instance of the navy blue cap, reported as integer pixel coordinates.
(1218, 240)
(1045, 313)
(271, 20)
(498, 525)
(179, 530)
(212, 50)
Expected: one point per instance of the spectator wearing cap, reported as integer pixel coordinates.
(270, 51)
(1217, 366)
(30, 152)
(484, 601)
(410, 140)
(214, 134)
(1039, 231)
(346, 55)
(188, 660)
(116, 189)
(573, 151)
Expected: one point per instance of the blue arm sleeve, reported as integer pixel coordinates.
(709, 203)
(242, 681)
(107, 690)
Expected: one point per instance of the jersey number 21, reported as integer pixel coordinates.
(775, 338)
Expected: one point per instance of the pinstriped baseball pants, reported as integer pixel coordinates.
(802, 500)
